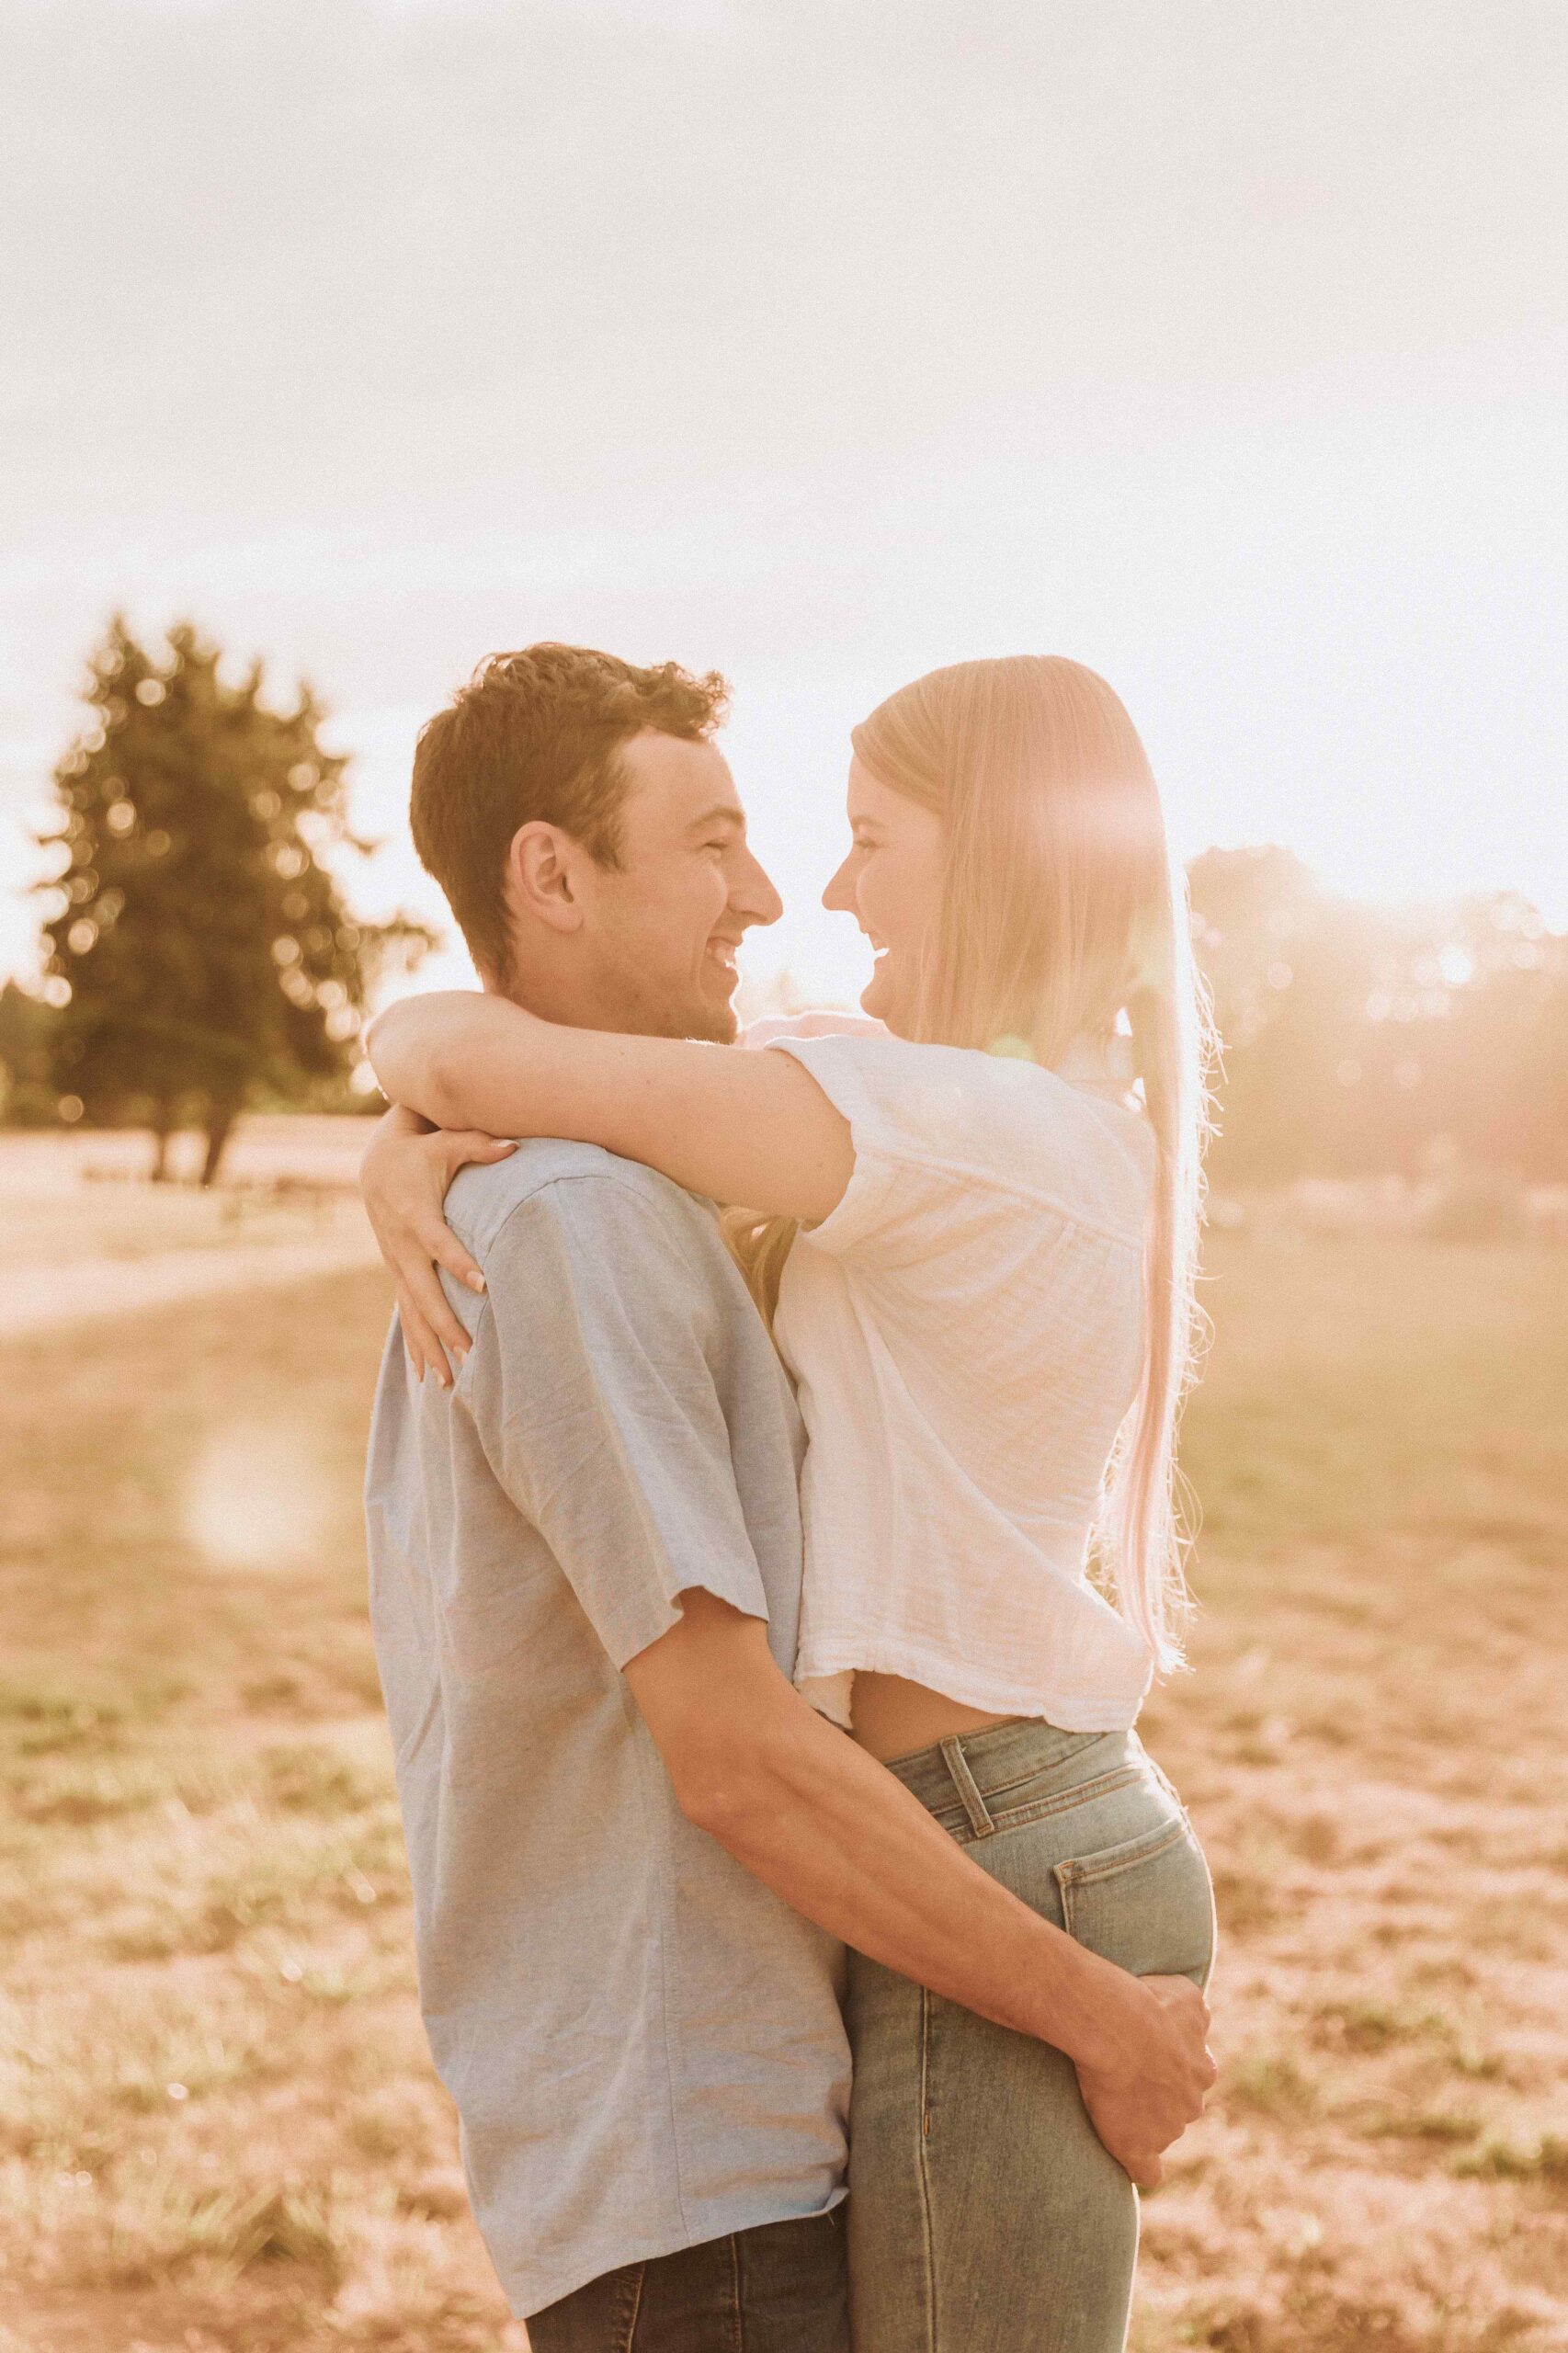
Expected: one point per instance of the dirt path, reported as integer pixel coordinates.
(82, 1235)
(44, 1297)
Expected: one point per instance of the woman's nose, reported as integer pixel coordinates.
(838, 898)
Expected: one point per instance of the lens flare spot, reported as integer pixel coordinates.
(258, 1499)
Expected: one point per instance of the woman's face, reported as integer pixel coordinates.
(892, 883)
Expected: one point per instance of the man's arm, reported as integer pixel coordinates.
(591, 1385)
(843, 1841)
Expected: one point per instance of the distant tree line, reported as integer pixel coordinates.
(1362, 1041)
(200, 958)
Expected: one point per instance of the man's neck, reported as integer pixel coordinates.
(580, 996)
(570, 999)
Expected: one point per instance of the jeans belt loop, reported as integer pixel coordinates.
(963, 1780)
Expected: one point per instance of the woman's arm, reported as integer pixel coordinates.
(749, 1128)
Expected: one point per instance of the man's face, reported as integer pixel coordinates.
(661, 929)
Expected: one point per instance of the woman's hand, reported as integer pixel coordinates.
(403, 1179)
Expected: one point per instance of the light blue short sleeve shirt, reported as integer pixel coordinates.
(644, 2044)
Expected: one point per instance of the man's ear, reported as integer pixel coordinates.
(543, 876)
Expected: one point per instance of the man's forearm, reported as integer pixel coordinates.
(842, 1840)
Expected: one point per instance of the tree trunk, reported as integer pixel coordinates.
(220, 1121)
(160, 1155)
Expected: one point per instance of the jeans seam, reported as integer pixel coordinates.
(636, 2312)
(1085, 1794)
(1016, 1817)
(1174, 1795)
(928, 2246)
(1019, 1781)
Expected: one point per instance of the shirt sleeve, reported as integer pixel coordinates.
(593, 1391)
(906, 1106)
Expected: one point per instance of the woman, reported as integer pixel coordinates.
(975, 1244)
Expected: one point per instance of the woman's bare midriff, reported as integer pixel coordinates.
(893, 1718)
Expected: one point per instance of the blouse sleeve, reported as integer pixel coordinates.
(948, 1139)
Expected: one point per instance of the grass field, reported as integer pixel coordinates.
(218, 2127)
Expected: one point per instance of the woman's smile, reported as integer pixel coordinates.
(892, 883)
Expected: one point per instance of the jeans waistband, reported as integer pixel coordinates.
(966, 1771)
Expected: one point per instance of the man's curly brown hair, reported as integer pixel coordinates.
(535, 737)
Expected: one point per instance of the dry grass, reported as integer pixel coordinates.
(218, 2124)
(1373, 1746)
(220, 2132)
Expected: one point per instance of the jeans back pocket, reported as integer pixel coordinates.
(1148, 1905)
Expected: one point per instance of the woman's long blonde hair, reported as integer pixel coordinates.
(1061, 916)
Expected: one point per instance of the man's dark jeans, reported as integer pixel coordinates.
(779, 2289)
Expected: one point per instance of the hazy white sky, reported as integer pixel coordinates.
(1220, 345)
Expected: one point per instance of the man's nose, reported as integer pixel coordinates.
(754, 897)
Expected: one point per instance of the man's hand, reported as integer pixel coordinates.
(1155, 2078)
(840, 1838)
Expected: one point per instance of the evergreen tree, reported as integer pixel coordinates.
(27, 1032)
(198, 946)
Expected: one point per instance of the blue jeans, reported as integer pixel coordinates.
(986, 2216)
(778, 2289)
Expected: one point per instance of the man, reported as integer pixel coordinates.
(634, 1846)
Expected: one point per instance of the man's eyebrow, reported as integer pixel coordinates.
(722, 813)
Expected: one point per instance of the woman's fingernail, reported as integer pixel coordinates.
(475, 1282)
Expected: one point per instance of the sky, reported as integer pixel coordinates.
(1219, 346)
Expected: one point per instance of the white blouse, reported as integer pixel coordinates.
(966, 1330)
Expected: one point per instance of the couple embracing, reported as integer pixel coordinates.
(764, 1595)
